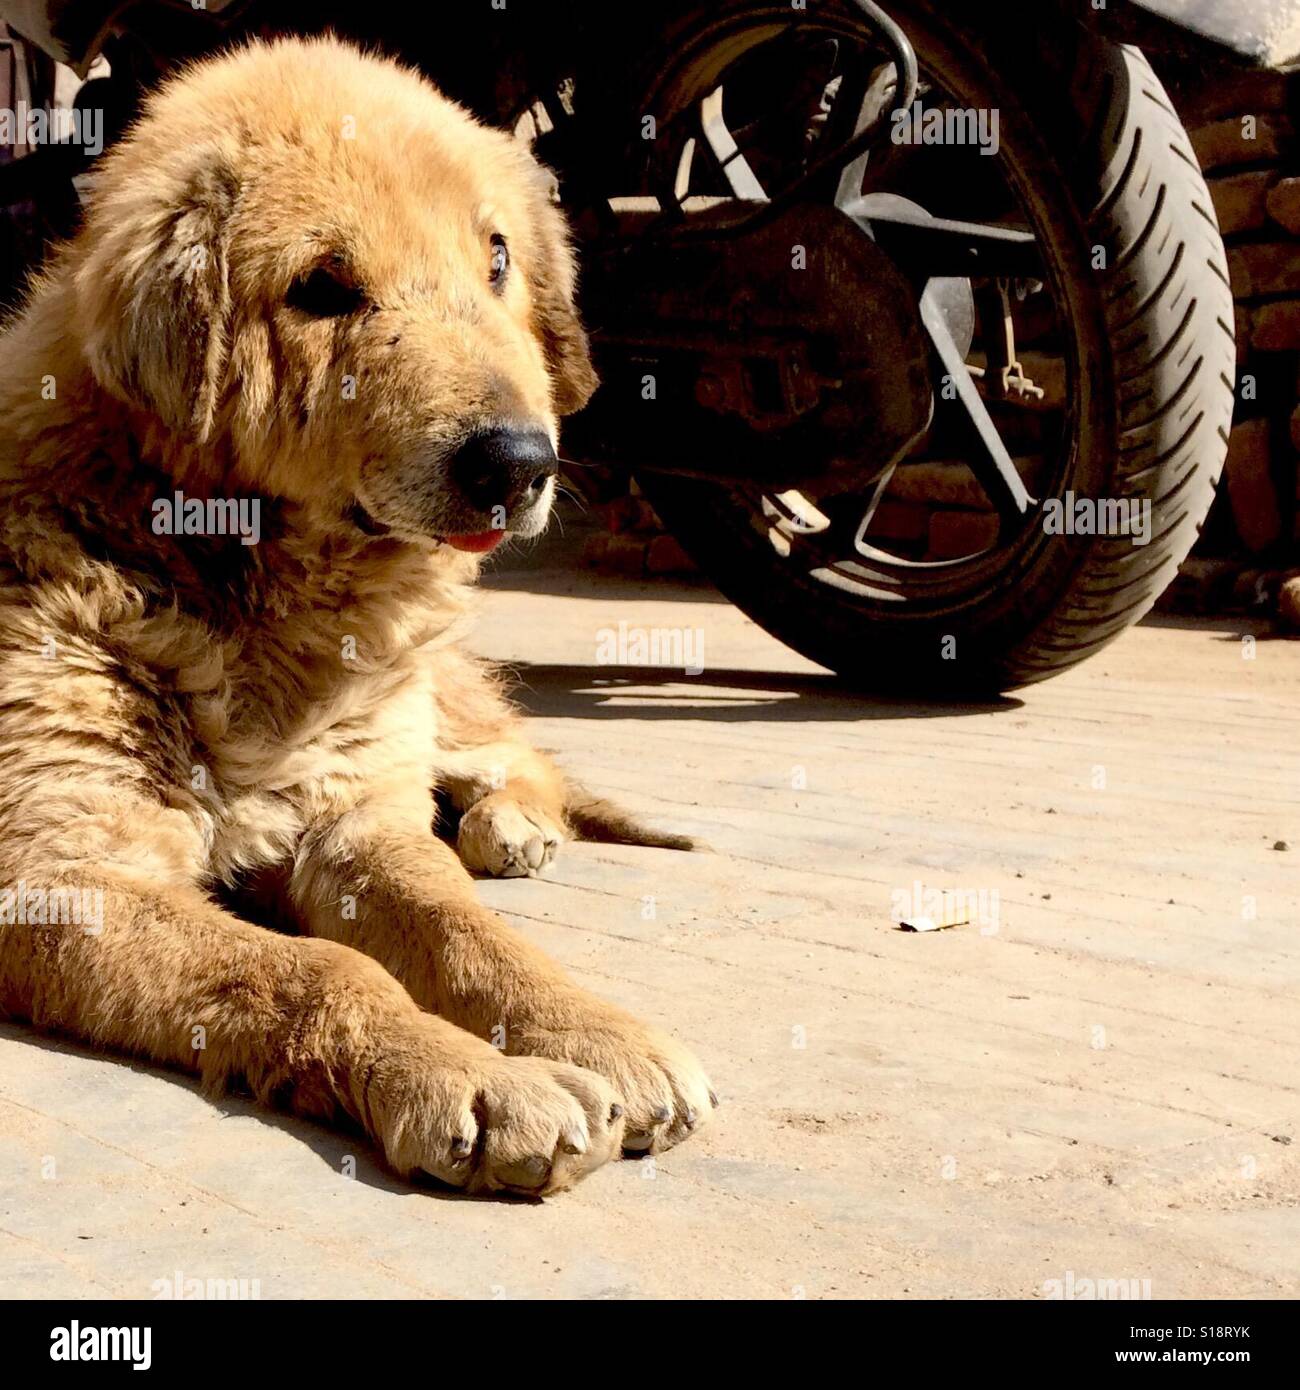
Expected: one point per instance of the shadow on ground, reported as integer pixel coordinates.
(573, 581)
(593, 692)
(335, 1147)
(1229, 627)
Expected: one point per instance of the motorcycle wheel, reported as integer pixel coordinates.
(1095, 157)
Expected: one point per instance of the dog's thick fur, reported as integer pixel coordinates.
(186, 719)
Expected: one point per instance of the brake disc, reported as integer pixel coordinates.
(788, 353)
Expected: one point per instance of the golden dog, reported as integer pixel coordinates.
(317, 307)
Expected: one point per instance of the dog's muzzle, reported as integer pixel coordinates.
(504, 472)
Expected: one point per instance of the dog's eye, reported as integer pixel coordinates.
(500, 261)
(324, 295)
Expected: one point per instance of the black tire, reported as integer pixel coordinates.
(1107, 164)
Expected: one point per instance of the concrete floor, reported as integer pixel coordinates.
(1098, 1080)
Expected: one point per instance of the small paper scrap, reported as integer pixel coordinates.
(949, 919)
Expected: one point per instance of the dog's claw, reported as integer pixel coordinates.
(641, 1139)
(529, 1174)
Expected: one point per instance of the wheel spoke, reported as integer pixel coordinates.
(927, 246)
(741, 179)
(876, 98)
(878, 490)
(991, 463)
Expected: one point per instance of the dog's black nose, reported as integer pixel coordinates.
(504, 468)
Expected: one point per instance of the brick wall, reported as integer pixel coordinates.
(1243, 127)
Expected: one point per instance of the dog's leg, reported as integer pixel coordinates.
(516, 807)
(172, 977)
(376, 879)
(510, 797)
(511, 800)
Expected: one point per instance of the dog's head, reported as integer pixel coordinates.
(342, 289)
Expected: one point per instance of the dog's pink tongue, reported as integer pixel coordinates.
(479, 543)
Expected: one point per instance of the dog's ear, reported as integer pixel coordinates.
(553, 283)
(154, 296)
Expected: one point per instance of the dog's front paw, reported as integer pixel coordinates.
(507, 838)
(663, 1086)
(491, 1123)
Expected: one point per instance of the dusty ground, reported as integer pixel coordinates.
(1099, 1084)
